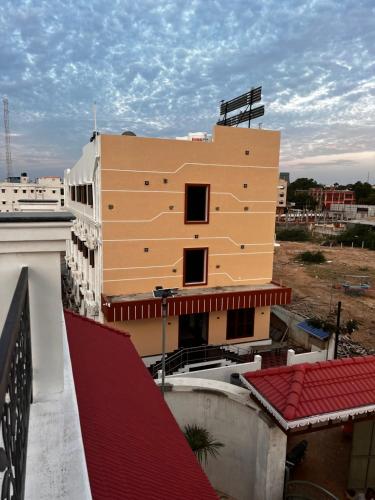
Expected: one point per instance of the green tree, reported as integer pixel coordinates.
(298, 192)
(201, 442)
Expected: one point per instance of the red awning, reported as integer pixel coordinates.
(127, 308)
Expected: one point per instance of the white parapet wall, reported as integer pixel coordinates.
(305, 357)
(251, 465)
(36, 241)
(222, 373)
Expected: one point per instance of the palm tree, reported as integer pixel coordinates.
(202, 442)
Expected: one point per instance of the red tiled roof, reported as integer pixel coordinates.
(133, 446)
(309, 389)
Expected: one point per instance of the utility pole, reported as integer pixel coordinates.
(337, 327)
(8, 156)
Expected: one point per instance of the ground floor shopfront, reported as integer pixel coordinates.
(213, 317)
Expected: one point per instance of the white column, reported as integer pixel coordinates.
(37, 245)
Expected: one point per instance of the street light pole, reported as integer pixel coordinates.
(163, 294)
(163, 342)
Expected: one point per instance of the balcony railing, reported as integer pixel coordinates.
(15, 392)
(200, 354)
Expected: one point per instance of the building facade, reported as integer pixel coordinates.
(193, 215)
(282, 189)
(19, 194)
(325, 197)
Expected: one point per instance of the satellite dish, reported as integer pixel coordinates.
(129, 132)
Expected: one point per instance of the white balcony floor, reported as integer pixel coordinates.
(56, 465)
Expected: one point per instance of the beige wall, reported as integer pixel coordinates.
(147, 339)
(152, 216)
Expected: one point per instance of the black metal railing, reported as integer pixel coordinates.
(15, 392)
(306, 490)
(201, 354)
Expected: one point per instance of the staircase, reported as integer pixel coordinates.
(179, 358)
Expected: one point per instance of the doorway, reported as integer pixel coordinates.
(192, 330)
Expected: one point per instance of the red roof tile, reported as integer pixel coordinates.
(133, 446)
(308, 389)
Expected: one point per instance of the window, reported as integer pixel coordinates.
(240, 323)
(85, 251)
(53, 191)
(62, 191)
(92, 258)
(24, 190)
(197, 203)
(31, 190)
(73, 193)
(15, 190)
(89, 195)
(83, 194)
(3, 202)
(3, 190)
(195, 266)
(62, 202)
(78, 193)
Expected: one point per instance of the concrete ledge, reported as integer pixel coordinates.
(15, 217)
(56, 463)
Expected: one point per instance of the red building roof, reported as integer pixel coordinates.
(316, 392)
(134, 448)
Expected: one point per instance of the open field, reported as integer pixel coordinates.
(317, 287)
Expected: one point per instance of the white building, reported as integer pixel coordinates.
(281, 195)
(19, 194)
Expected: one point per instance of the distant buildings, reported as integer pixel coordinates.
(282, 189)
(285, 176)
(188, 214)
(325, 197)
(19, 194)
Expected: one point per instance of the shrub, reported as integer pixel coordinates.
(356, 235)
(312, 257)
(201, 442)
(296, 234)
(351, 325)
(325, 325)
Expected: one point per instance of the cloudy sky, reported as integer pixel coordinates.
(161, 67)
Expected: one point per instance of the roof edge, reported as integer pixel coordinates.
(288, 425)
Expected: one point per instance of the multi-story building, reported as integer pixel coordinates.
(281, 195)
(325, 197)
(19, 194)
(193, 215)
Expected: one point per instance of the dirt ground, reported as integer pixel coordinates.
(316, 288)
(327, 459)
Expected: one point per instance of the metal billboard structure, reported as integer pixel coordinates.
(247, 99)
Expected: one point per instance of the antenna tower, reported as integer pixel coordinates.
(8, 155)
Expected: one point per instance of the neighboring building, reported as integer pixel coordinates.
(281, 195)
(191, 215)
(325, 197)
(353, 211)
(285, 176)
(196, 137)
(19, 194)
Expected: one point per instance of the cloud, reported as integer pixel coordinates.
(161, 69)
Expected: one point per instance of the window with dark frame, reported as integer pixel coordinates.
(195, 266)
(89, 195)
(92, 258)
(197, 203)
(240, 323)
(73, 193)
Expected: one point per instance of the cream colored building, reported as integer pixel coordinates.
(19, 194)
(193, 215)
